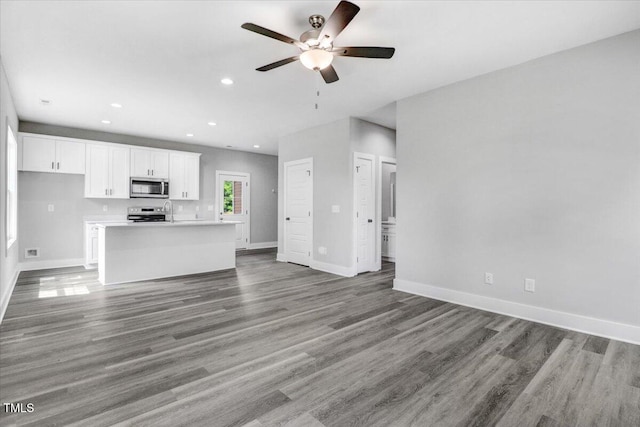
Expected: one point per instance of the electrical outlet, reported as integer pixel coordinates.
(32, 253)
(488, 278)
(50, 208)
(197, 208)
(530, 285)
(105, 208)
(322, 250)
(335, 208)
(210, 208)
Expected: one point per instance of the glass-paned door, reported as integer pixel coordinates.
(233, 203)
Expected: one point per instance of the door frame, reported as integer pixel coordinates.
(376, 239)
(247, 201)
(308, 160)
(381, 160)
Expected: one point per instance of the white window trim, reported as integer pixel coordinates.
(12, 181)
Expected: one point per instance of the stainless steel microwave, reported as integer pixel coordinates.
(149, 188)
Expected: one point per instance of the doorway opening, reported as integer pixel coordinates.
(387, 210)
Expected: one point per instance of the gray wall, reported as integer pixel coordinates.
(59, 234)
(8, 259)
(532, 171)
(332, 147)
(329, 147)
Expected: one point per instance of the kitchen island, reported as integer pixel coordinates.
(134, 251)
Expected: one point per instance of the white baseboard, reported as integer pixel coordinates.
(4, 299)
(575, 322)
(281, 257)
(334, 269)
(54, 263)
(263, 245)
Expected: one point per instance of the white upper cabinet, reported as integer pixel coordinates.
(149, 163)
(107, 171)
(184, 176)
(52, 155)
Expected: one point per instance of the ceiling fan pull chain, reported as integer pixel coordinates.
(317, 92)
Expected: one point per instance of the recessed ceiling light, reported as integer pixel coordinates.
(106, 122)
(226, 81)
(189, 134)
(116, 105)
(256, 146)
(211, 123)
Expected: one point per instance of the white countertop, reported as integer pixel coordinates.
(179, 223)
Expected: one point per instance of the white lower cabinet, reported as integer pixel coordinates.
(388, 248)
(107, 171)
(90, 245)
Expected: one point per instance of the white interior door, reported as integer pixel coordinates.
(365, 213)
(233, 203)
(298, 200)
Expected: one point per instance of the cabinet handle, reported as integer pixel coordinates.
(58, 165)
(151, 172)
(186, 194)
(52, 165)
(111, 192)
(148, 172)
(106, 192)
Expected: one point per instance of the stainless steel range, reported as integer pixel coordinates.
(146, 214)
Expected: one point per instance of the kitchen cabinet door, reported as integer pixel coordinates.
(149, 163)
(140, 163)
(160, 164)
(176, 176)
(107, 174)
(119, 172)
(192, 177)
(96, 179)
(184, 176)
(70, 157)
(391, 246)
(38, 154)
(53, 156)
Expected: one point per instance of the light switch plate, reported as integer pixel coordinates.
(530, 285)
(50, 208)
(210, 208)
(180, 208)
(335, 208)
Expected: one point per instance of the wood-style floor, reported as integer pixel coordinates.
(279, 344)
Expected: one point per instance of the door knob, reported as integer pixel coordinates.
(369, 220)
(288, 218)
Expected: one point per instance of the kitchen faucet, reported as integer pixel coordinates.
(164, 208)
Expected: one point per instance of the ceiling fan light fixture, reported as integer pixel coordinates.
(316, 59)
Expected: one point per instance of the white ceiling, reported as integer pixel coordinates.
(163, 61)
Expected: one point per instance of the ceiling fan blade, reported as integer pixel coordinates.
(266, 32)
(329, 74)
(339, 19)
(278, 63)
(365, 52)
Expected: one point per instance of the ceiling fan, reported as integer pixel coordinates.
(316, 45)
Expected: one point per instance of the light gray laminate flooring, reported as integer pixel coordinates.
(279, 344)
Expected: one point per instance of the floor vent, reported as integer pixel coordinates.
(32, 253)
